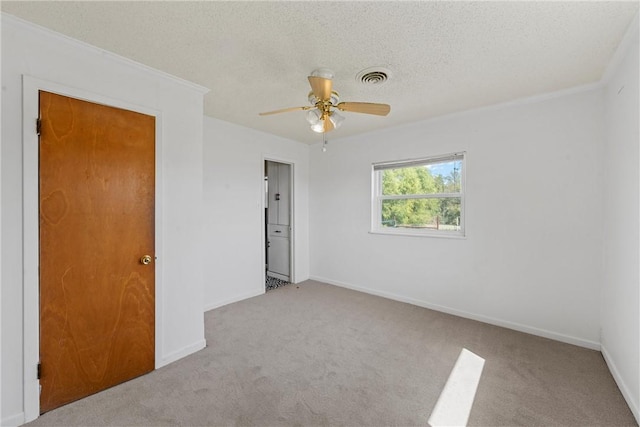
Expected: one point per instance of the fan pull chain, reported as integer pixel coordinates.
(324, 142)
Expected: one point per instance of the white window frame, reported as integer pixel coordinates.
(377, 197)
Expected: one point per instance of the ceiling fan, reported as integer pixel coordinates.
(322, 114)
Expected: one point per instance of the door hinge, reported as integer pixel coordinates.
(38, 126)
(39, 370)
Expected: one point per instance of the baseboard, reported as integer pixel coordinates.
(183, 352)
(297, 280)
(467, 315)
(622, 385)
(234, 299)
(13, 421)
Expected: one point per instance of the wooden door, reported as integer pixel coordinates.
(97, 299)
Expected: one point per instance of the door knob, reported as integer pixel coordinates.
(145, 260)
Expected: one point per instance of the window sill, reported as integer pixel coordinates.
(439, 235)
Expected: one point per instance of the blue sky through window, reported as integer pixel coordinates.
(444, 168)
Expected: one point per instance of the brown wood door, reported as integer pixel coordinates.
(97, 299)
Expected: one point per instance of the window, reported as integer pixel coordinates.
(419, 197)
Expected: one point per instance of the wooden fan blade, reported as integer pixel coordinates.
(328, 125)
(321, 87)
(285, 110)
(365, 107)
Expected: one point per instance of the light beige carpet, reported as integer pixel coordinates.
(315, 354)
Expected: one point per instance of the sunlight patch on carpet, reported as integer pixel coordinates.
(454, 404)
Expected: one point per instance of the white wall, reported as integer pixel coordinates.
(234, 211)
(1, 418)
(532, 253)
(620, 316)
(29, 50)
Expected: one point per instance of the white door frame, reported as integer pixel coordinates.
(30, 217)
(292, 221)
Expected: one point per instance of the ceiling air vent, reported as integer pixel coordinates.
(373, 76)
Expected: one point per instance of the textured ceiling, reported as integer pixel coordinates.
(444, 56)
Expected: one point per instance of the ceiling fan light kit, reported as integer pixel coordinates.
(314, 116)
(336, 119)
(325, 73)
(318, 126)
(322, 115)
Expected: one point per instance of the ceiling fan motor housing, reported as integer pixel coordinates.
(333, 99)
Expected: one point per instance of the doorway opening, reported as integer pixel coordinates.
(278, 222)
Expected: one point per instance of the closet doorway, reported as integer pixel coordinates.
(278, 217)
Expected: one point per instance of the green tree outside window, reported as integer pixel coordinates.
(421, 212)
